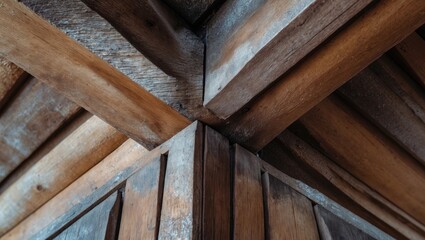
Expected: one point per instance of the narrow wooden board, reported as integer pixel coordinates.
(251, 44)
(217, 187)
(10, 78)
(332, 227)
(248, 208)
(143, 199)
(290, 214)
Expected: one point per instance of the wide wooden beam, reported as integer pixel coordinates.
(251, 44)
(83, 77)
(332, 64)
(10, 77)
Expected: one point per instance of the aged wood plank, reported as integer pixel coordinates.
(158, 33)
(356, 145)
(411, 52)
(94, 224)
(332, 227)
(28, 121)
(248, 210)
(10, 77)
(290, 214)
(65, 163)
(143, 199)
(84, 78)
(370, 94)
(190, 10)
(322, 72)
(251, 44)
(217, 186)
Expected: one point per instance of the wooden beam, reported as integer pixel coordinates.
(65, 163)
(332, 64)
(84, 78)
(359, 147)
(191, 10)
(157, 32)
(250, 45)
(10, 77)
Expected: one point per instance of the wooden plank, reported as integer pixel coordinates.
(242, 61)
(190, 10)
(10, 77)
(290, 214)
(158, 33)
(96, 183)
(80, 151)
(86, 79)
(411, 52)
(94, 224)
(371, 95)
(332, 227)
(248, 210)
(324, 71)
(142, 205)
(181, 213)
(36, 113)
(217, 186)
(356, 145)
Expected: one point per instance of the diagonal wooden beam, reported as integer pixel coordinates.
(377, 30)
(83, 77)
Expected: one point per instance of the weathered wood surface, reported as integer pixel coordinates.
(327, 68)
(399, 116)
(411, 52)
(251, 44)
(332, 227)
(190, 10)
(92, 31)
(94, 224)
(10, 77)
(356, 145)
(34, 114)
(65, 163)
(217, 187)
(143, 198)
(313, 168)
(290, 214)
(248, 208)
(85, 78)
(158, 33)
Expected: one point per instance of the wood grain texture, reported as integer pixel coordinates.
(92, 31)
(143, 199)
(327, 68)
(10, 77)
(158, 33)
(35, 113)
(65, 163)
(251, 44)
(364, 201)
(290, 214)
(217, 186)
(411, 52)
(190, 10)
(332, 227)
(248, 208)
(392, 113)
(360, 148)
(94, 224)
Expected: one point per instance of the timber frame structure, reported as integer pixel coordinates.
(212, 119)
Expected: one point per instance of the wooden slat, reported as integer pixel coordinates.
(411, 51)
(65, 163)
(36, 113)
(157, 32)
(290, 214)
(322, 72)
(142, 205)
(190, 10)
(182, 203)
(10, 77)
(359, 147)
(94, 224)
(332, 227)
(84, 78)
(370, 94)
(248, 210)
(217, 186)
(242, 60)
